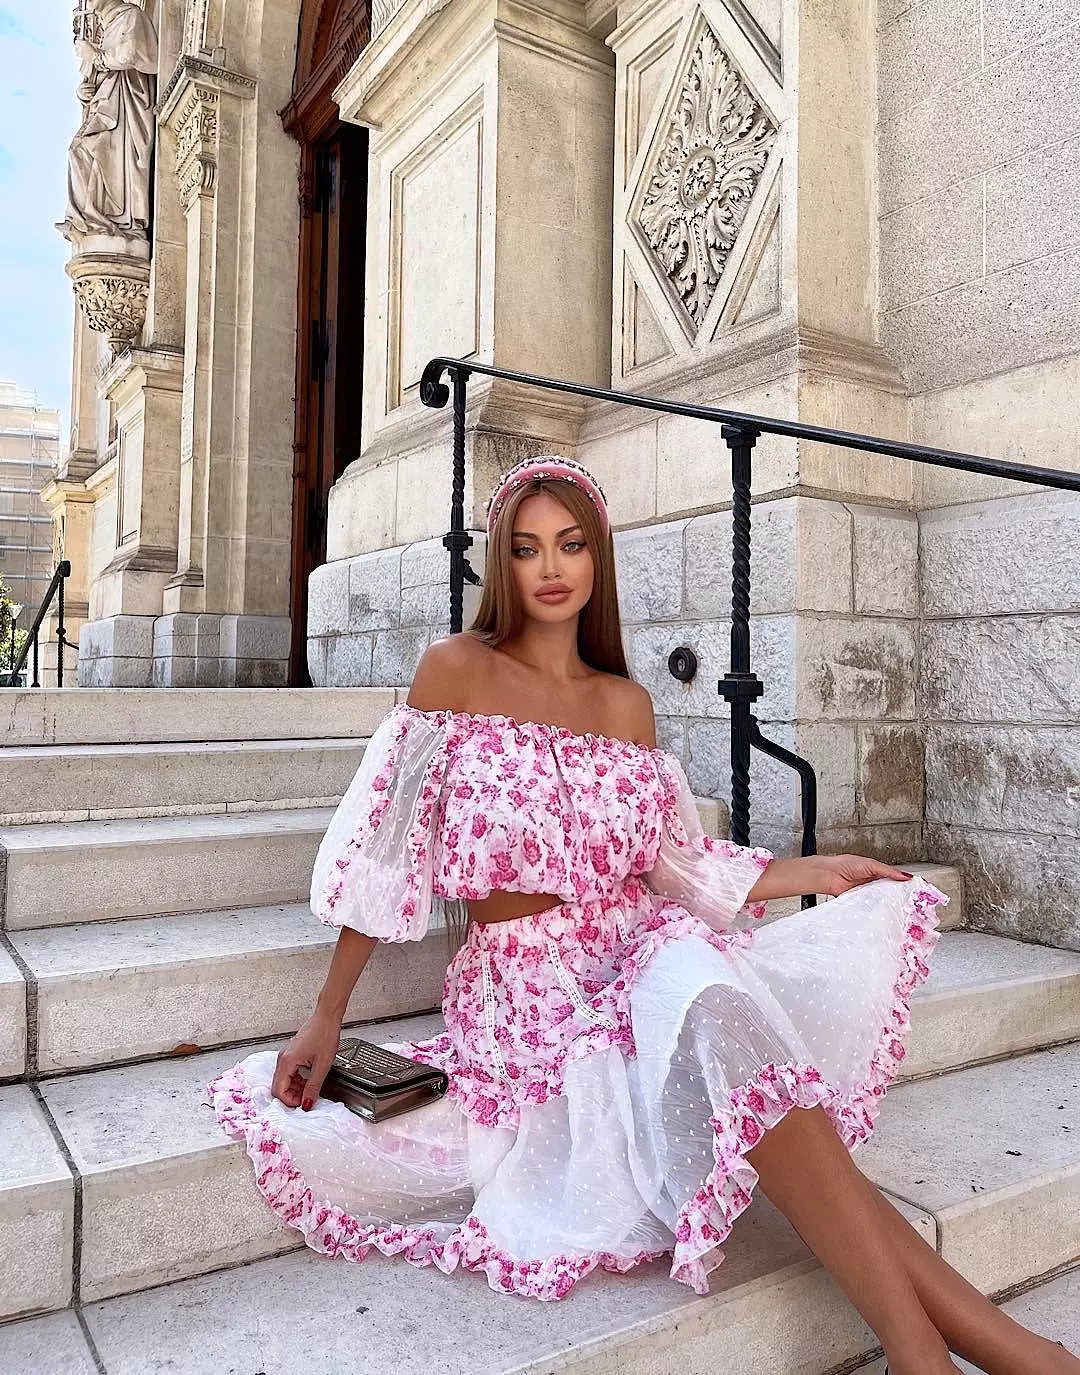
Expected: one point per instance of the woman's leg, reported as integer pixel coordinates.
(973, 1327)
(809, 1175)
(916, 1303)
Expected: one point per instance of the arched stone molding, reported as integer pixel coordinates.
(331, 35)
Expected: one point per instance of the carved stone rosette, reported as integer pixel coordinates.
(112, 291)
(701, 177)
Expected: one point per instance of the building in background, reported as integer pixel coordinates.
(862, 217)
(29, 455)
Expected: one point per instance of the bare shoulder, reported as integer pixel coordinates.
(442, 677)
(630, 710)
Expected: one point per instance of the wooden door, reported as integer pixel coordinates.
(330, 351)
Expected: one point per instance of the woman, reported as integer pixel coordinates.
(628, 1056)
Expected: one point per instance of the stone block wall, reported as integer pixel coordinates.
(834, 638)
(185, 649)
(979, 201)
(980, 287)
(1000, 693)
(371, 617)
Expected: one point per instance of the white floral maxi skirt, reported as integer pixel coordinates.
(611, 1063)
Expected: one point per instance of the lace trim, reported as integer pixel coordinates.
(572, 991)
(489, 1016)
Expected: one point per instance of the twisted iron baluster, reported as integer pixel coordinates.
(457, 539)
(739, 687)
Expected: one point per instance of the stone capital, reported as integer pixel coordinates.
(190, 110)
(112, 290)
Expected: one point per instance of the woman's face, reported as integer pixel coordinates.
(552, 565)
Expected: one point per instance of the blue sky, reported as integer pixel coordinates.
(38, 115)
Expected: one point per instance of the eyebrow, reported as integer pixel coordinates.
(528, 534)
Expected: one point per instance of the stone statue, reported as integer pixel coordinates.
(109, 158)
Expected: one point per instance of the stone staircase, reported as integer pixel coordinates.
(155, 853)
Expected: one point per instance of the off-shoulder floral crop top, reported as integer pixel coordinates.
(449, 806)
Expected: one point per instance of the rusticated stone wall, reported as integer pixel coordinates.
(371, 617)
(980, 288)
(834, 638)
(1000, 694)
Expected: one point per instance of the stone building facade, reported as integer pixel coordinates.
(843, 214)
(29, 450)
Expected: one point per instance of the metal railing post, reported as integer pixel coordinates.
(60, 637)
(457, 539)
(740, 687)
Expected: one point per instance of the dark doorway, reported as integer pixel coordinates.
(330, 293)
(335, 349)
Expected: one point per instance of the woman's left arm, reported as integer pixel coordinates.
(830, 875)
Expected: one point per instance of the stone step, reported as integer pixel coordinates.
(165, 1196)
(95, 716)
(420, 1322)
(214, 978)
(12, 1018)
(179, 1327)
(61, 783)
(202, 980)
(37, 1210)
(989, 997)
(81, 871)
(992, 1154)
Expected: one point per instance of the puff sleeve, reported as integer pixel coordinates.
(707, 876)
(373, 871)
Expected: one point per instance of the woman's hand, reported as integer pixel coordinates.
(313, 1047)
(829, 874)
(836, 874)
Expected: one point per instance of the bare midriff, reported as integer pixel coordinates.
(502, 906)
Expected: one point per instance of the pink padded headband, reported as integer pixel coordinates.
(552, 466)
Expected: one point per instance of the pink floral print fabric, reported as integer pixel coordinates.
(613, 1060)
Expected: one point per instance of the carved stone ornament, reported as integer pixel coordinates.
(196, 126)
(113, 292)
(701, 177)
(195, 27)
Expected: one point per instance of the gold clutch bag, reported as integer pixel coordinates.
(376, 1083)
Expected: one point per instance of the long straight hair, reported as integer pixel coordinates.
(501, 614)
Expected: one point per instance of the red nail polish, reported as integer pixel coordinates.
(309, 1103)
(907, 875)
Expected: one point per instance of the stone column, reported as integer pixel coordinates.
(488, 237)
(72, 509)
(201, 100)
(223, 621)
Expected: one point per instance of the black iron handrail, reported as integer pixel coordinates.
(55, 591)
(739, 686)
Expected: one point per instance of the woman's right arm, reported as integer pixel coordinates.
(438, 678)
(315, 1044)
